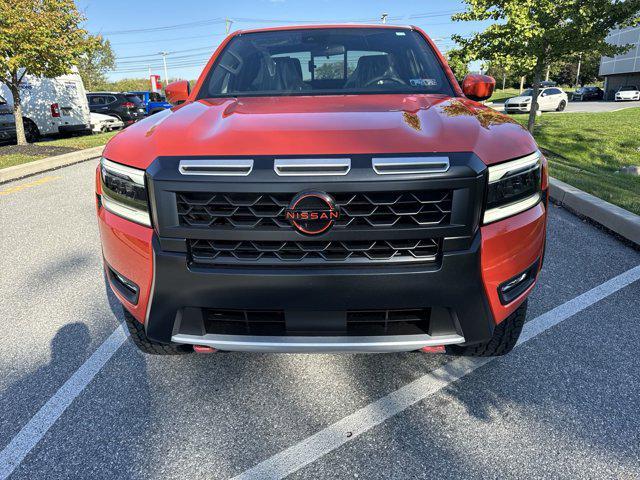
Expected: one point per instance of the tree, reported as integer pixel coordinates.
(124, 85)
(95, 63)
(39, 37)
(458, 60)
(537, 33)
(565, 72)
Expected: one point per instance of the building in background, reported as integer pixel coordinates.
(622, 69)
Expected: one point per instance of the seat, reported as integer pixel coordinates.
(289, 74)
(368, 68)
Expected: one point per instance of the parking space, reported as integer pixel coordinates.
(563, 404)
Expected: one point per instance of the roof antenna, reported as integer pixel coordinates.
(384, 17)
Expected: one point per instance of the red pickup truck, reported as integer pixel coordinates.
(324, 189)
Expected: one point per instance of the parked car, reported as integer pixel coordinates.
(154, 102)
(125, 106)
(549, 99)
(587, 93)
(49, 106)
(105, 123)
(293, 204)
(628, 92)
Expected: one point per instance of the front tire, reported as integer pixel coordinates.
(139, 338)
(561, 106)
(505, 336)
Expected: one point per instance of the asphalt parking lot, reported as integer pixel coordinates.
(77, 401)
(585, 107)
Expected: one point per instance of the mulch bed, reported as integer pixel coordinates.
(31, 149)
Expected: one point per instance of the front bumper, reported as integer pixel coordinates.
(517, 108)
(458, 292)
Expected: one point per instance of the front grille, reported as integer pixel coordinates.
(358, 322)
(370, 210)
(220, 252)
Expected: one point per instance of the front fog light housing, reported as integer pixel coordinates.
(124, 192)
(514, 187)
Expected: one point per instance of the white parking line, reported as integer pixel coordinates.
(314, 447)
(13, 454)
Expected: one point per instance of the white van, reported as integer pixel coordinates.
(49, 105)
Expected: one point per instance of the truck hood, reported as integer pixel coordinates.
(322, 125)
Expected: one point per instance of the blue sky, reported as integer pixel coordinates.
(190, 30)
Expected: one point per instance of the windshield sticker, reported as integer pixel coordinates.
(423, 82)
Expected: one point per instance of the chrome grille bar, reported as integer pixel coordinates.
(311, 166)
(231, 167)
(414, 165)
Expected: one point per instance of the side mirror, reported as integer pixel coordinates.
(478, 87)
(177, 92)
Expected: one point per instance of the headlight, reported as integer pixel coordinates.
(527, 100)
(124, 192)
(514, 187)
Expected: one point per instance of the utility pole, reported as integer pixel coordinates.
(228, 22)
(164, 61)
(546, 78)
(504, 79)
(578, 72)
(384, 17)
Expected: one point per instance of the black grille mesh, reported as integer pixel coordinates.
(373, 210)
(274, 252)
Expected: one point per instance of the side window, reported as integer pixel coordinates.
(329, 67)
(96, 100)
(110, 99)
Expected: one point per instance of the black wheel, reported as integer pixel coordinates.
(561, 106)
(139, 338)
(30, 130)
(505, 337)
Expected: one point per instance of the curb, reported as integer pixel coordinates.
(51, 163)
(612, 217)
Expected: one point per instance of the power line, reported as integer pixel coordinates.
(173, 39)
(220, 20)
(166, 27)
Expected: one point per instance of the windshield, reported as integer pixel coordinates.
(326, 61)
(627, 88)
(133, 98)
(528, 93)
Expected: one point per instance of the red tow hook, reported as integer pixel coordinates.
(204, 349)
(434, 349)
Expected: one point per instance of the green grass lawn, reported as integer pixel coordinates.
(11, 155)
(587, 149)
(84, 141)
(499, 95)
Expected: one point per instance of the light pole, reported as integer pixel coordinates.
(164, 61)
(228, 22)
(384, 17)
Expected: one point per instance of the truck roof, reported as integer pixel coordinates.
(328, 25)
